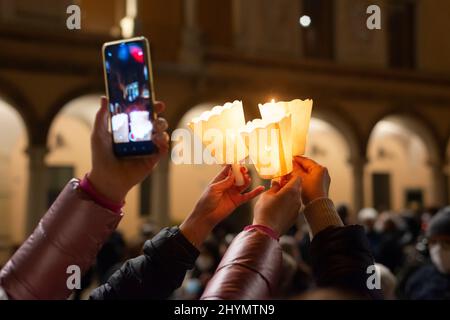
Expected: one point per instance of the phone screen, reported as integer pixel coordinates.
(128, 77)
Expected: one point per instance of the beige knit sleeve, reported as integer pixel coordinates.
(321, 214)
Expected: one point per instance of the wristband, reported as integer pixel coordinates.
(267, 230)
(101, 200)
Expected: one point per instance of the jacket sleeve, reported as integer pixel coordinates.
(70, 233)
(341, 259)
(340, 255)
(156, 273)
(248, 270)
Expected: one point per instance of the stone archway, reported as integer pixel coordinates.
(353, 158)
(404, 156)
(14, 177)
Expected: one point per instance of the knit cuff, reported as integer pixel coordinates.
(321, 214)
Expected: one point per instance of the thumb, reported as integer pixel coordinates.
(275, 186)
(226, 183)
(293, 184)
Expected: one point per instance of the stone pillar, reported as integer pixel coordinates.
(37, 186)
(191, 52)
(358, 165)
(439, 192)
(160, 193)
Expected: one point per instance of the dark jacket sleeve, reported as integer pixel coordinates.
(156, 273)
(71, 233)
(341, 258)
(249, 269)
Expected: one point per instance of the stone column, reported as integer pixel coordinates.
(37, 186)
(191, 52)
(358, 165)
(160, 193)
(439, 192)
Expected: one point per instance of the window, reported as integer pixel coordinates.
(318, 36)
(414, 198)
(402, 33)
(381, 188)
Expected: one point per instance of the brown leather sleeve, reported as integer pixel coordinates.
(71, 233)
(249, 269)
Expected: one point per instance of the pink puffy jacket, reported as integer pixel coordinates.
(71, 233)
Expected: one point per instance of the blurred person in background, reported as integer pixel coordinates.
(207, 262)
(110, 256)
(303, 239)
(190, 289)
(390, 248)
(412, 220)
(296, 275)
(225, 243)
(432, 281)
(388, 281)
(367, 218)
(344, 213)
(146, 231)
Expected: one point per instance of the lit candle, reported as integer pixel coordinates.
(269, 145)
(218, 129)
(301, 115)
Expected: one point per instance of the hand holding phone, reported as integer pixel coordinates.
(113, 177)
(129, 87)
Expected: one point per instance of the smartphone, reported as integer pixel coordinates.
(129, 87)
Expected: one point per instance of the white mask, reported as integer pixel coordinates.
(440, 258)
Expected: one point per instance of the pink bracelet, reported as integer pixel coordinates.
(101, 200)
(269, 231)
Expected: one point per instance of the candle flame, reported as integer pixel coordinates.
(273, 101)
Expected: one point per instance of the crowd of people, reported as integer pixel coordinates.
(411, 250)
(299, 245)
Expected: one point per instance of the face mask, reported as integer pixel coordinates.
(440, 258)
